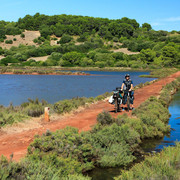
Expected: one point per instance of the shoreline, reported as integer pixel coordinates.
(35, 73)
(80, 120)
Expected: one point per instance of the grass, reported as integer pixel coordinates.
(14, 114)
(35, 108)
(161, 73)
(154, 72)
(38, 70)
(67, 105)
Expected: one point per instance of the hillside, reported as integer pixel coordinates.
(87, 42)
(17, 39)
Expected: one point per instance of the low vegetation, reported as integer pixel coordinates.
(35, 108)
(14, 114)
(111, 143)
(160, 73)
(39, 71)
(164, 165)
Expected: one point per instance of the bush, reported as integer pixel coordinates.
(164, 165)
(65, 143)
(8, 117)
(154, 115)
(116, 155)
(121, 64)
(34, 108)
(105, 118)
(65, 39)
(69, 105)
(22, 35)
(9, 42)
(49, 167)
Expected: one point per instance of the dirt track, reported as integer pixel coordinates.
(16, 142)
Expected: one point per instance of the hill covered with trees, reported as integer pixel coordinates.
(88, 42)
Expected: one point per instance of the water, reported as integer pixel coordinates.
(174, 122)
(52, 88)
(150, 145)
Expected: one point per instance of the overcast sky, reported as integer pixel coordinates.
(161, 14)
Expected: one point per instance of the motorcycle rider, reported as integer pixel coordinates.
(128, 86)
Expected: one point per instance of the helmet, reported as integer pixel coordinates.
(127, 75)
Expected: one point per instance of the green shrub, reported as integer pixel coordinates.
(33, 108)
(69, 105)
(168, 90)
(154, 115)
(105, 118)
(22, 35)
(66, 143)
(7, 117)
(49, 167)
(116, 155)
(164, 165)
(9, 42)
(66, 105)
(65, 39)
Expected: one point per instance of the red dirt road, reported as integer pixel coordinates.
(17, 142)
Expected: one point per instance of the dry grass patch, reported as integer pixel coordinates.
(125, 51)
(27, 40)
(42, 58)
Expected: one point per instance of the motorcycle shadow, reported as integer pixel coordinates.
(123, 109)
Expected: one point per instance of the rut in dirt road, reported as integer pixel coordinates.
(17, 142)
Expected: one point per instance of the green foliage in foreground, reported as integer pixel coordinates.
(164, 165)
(66, 153)
(45, 169)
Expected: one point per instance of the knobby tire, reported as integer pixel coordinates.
(116, 105)
(128, 103)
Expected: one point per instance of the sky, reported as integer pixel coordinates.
(161, 14)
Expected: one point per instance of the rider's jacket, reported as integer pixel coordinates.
(128, 83)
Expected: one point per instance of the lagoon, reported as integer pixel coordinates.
(17, 89)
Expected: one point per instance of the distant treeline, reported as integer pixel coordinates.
(69, 24)
(98, 38)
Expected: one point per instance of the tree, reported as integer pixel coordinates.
(22, 35)
(56, 56)
(45, 31)
(170, 54)
(125, 30)
(74, 58)
(1, 51)
(146, 26)
(9, 42)
(65, 39)
(131, 22)
(147, 55)
(86, 62)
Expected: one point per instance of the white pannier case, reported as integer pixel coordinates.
(111, 100)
